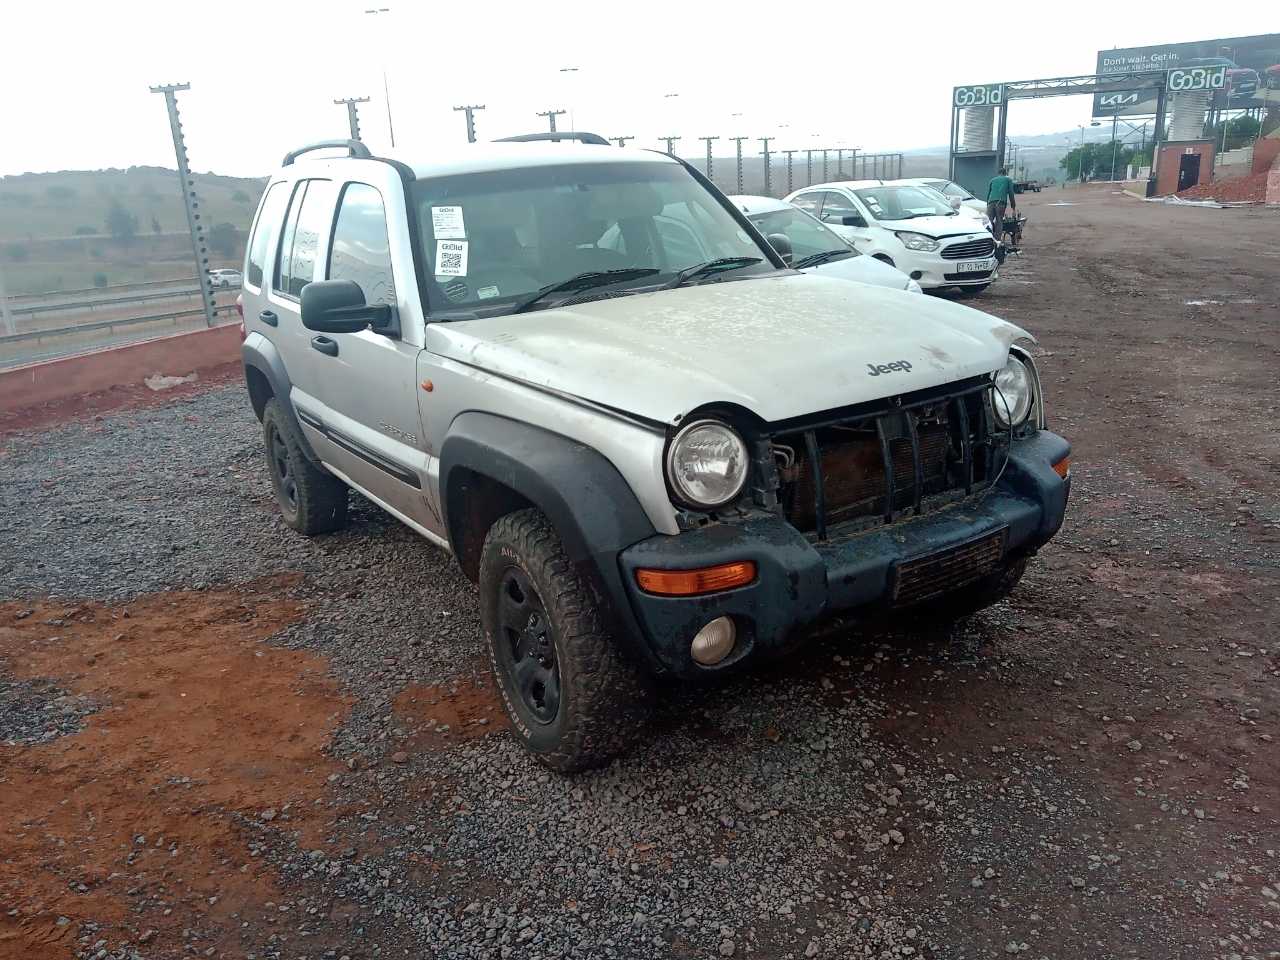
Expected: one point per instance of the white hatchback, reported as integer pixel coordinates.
(814, 248)
(908, 227)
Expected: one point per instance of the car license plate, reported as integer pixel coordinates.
(976, 266)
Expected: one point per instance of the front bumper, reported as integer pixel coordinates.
(800, 581)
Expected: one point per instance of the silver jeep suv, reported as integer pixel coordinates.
(655, 448)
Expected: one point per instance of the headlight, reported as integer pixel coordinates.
(1012, 395)
(917, 241)
(707, 464)
(913, 287)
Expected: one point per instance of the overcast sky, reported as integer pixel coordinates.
(264, 73)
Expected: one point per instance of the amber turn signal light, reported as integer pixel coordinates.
(1062, 467)
(688, 583)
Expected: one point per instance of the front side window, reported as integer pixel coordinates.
(264, 231)
(489, 240)
(903, 202)
(836, 206)
(309, 212)
(808, 237)
(808, 202)
(360, 250)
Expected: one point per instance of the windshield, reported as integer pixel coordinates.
(903, 203)
(949, 189)
(491, 240)
(806, 234)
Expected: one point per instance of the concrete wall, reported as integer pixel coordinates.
(178, 355)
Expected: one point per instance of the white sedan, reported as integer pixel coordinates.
(956, 195)
(225, 278)
(815, 248)
(909, 227)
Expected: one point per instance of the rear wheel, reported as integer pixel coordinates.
(311, 500)
(574, 700)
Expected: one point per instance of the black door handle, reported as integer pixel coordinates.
(325, 345)
(269, 318)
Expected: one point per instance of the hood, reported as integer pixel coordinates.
(864, 270)
(936, 227)
(781, 346)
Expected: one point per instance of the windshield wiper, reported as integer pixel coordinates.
(584, 281)
(711, 266)
(813, 259)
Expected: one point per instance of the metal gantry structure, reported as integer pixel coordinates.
(353, 113)
(470, 110)
(199, 244)
(551, 117)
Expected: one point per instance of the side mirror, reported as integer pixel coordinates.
(955, 203)
(782, 243)
(853, 220)
(338, 306)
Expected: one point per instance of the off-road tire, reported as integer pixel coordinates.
(977, 596)
(311, 500)
(603, 698)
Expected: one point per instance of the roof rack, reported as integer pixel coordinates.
(580, 135)
(354, 148)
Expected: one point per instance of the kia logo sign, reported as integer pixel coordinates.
(1117, 99)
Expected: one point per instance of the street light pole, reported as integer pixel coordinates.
(573, 101)
(386, 89)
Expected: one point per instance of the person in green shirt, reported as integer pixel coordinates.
(1000, 192)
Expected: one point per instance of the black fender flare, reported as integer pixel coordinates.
(591, 506)
(261, 355)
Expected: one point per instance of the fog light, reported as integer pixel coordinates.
(713, 642)
(917, 274)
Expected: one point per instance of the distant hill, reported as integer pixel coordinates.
(41, 206)
(54, 236)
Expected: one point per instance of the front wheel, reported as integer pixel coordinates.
(973, 291)
(574, 700)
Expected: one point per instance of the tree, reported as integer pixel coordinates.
(222, 238)
(1240, 131)
(121, 224)
(60, 193)
(86, 231)
(155, 224)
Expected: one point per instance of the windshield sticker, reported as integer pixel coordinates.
(451, 258)
(487, 293)
(446, 223)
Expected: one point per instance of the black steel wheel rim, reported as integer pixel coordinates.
(526, 647)
(283, 467)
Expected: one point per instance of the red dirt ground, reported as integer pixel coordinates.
(202, 727)
(1253, 187)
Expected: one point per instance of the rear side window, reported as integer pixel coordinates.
(360, 250)
(808, 202)
(309, 213)
(265, 230)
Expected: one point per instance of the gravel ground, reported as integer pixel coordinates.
(1087, 769)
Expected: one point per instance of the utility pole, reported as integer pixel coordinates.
(840, 162)
(622, 141)
(470, 111)
(790, 183)
(768, 168)
(825, 175)
(386, 89)
(551, 117)
(198, 245)
(710, 175)
(353, 115)
(737, 141)
(5, 313)
(808, 163)
(669, 141)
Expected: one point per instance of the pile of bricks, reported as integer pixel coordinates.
(1237, 189)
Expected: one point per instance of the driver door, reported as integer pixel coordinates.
(836, 208)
